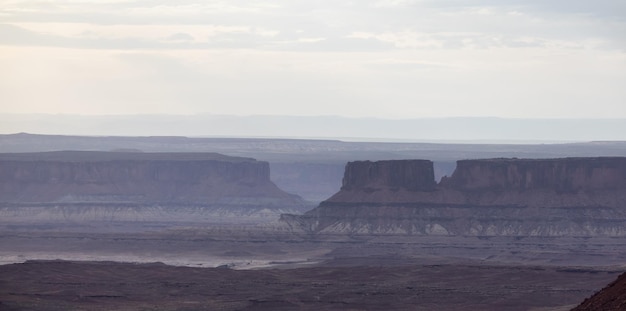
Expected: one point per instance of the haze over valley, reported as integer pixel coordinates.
(327, 155)
(137, 201)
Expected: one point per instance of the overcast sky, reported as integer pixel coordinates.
(362, 58)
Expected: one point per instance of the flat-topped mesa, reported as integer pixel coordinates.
(568, 182)
(568, 175)
(510, 197)
(194, 178)
(386, 181)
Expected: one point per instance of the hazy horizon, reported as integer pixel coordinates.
(447, 130)
(395, 59)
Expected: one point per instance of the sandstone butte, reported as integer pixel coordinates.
(138, 178)
(509, 197)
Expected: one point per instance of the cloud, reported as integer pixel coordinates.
(180, 37)
(371, 57)
(401, 23)
(133, 36)
(167, 37)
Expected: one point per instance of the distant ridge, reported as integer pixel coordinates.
(485, 129)
(97, 176)
(95, 156)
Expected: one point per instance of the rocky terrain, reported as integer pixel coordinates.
(493, 197)
(610, 298)
(137, 186)
(500, 234)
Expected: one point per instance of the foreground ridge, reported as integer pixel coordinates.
(612, 297)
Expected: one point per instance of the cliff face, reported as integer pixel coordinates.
(412, 175)
(570, 175)
(551, 197)
(569, 182)
(133, 177)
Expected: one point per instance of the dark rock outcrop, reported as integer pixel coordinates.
(612, 297)
(547, 197)
(412, 175)
(568, 175)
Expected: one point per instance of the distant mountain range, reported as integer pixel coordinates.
(494, 130)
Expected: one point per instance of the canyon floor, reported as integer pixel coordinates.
(224, 268)
(334, 285)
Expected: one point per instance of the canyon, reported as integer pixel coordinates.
(494, 233)
(485, 197)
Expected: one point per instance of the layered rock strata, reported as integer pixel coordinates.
(106, 184)
(519, 197)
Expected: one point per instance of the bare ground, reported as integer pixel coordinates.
(346, 284)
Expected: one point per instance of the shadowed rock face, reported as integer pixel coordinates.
(569, 175)
(551, 197)
(412, 175)
(570, 182)
(134, 177)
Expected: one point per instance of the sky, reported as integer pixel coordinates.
(392, 59)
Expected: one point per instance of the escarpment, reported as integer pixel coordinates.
(81, 180)
(568, 175)
(525, 197)
(413, 175)
(134, 177)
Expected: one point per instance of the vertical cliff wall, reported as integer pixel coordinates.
(386, 181)
(135, 177)
(547, 197)
(412, 175)
(569, 182)
(561, 175)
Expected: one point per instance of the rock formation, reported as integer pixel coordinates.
(520, 197)
(612, 297)
(412, 175)
(84, 181)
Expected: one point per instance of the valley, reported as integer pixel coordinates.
(170, 223)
